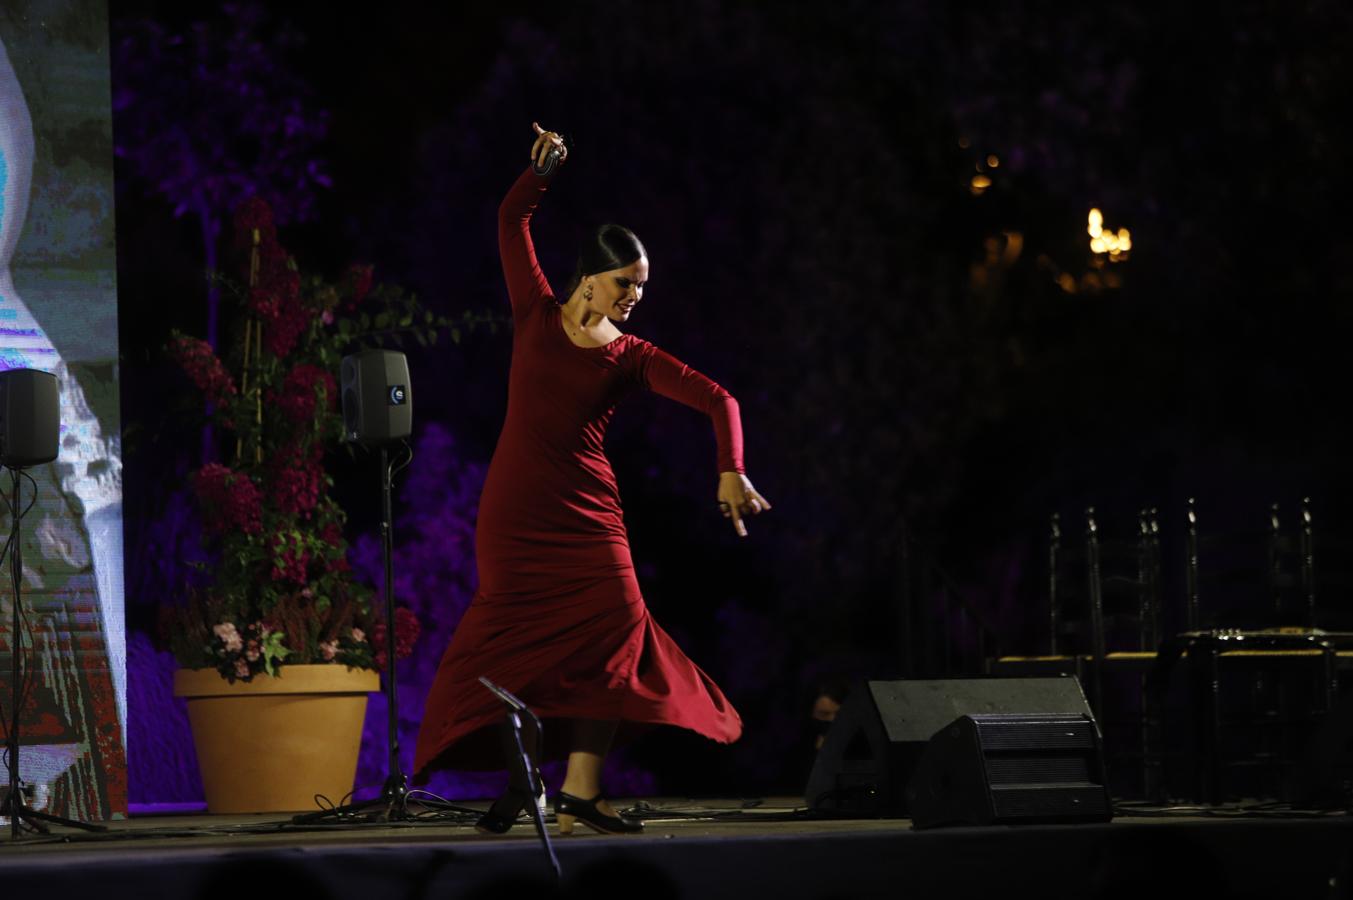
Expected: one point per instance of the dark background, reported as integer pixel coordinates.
(910, 353)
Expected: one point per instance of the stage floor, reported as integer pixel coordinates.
(1224, 852)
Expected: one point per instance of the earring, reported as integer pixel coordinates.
(587, 294)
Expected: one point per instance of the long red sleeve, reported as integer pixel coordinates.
(664, 374)
(526, 284)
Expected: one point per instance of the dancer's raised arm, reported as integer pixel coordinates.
(526, 284)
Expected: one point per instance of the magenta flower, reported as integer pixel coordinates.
(230, 499)
(407, 629)
(360, 278)
(297, 479)
(202, 366)
(301, 392)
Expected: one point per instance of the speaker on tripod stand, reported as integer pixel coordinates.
(377, 400)
(377, 412)
(30, 426)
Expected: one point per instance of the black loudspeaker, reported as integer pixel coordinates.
(1011, 770)
(879, 734)
(30, 418)
(377, 399)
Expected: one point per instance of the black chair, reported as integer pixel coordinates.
(1248, 578)
(1326, 594)
(1249, 614)
(1103, 622)
(1124, 582)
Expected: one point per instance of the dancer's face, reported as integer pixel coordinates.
(615, 292)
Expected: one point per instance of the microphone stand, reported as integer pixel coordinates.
(520, 763)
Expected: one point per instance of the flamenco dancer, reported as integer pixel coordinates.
(558, 618)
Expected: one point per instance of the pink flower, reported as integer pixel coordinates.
(328, 649)
(252, 651)
(229, 636)
(358, 635)
(241, 668)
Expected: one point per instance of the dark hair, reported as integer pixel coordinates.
(609, 247)
(835, 686)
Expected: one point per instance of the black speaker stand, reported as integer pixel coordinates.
(393, 803)
(13, 805)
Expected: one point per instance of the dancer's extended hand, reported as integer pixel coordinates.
(738, 499)
(545, 142)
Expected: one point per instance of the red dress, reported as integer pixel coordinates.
(558, 618)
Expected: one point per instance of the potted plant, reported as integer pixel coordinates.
(279, 644)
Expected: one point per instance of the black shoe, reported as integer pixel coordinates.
(506, 810)
(568, 808)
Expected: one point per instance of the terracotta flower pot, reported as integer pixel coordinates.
(272, 744)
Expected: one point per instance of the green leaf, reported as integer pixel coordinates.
(273, 652)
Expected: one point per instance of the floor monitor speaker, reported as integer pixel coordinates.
(1011, 770)
(880, 732)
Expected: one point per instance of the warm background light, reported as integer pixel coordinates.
(1102, 240)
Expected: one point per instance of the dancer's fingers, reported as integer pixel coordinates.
(765, 504)
(536, 126)
(737, 522)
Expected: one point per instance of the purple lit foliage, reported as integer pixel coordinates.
(161, 761)
(211, 115)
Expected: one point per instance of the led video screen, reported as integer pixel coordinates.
(58, 314)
